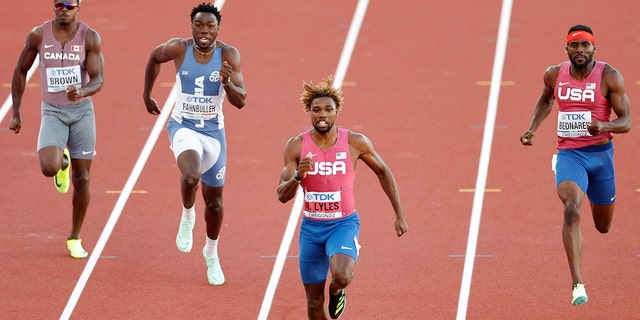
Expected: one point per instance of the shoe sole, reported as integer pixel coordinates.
(579, 300)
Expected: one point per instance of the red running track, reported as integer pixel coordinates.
(416, 85)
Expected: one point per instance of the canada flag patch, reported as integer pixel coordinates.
(76, 48)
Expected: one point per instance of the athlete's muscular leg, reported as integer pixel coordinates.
(602, 216)
(315, 301)
(213, 210)
(571, 196)
(341, 266)
(189, 164)
(51, 160)
(80, 177)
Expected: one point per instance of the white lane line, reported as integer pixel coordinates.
(485, 154)
(345, 58)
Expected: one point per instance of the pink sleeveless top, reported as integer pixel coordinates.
(580, 102)
(62, 66)
(328, 189)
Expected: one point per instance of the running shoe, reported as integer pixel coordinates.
(579, 294)
(184, 238)
(75, 248)
(62, 179)
(337, 304)
(214, 271)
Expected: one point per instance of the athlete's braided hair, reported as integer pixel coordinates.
(323, 89)
(206, 7)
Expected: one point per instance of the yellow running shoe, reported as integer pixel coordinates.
(337, 304)
(62, 179)
(75, 248)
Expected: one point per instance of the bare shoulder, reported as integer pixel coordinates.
(176, 42)
(174, 47)
(360, 142)
(612, 78)
(92, 40)
(610, 70)
(294, 143)
(551, 75)
(552, 71)
(292, 148)
(93, 34)
(229, 52)
(34, 37)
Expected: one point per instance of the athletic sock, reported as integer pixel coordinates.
(189, 213)
(211, 248)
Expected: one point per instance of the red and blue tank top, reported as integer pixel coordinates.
(580, 102)
(328, 189)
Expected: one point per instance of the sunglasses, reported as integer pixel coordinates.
(65, 5)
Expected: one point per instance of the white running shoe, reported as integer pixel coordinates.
(214, 271)
(184, 238)
(579, 294)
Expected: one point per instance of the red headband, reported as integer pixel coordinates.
(580, 34)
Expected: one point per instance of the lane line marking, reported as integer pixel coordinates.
(485, 154)
(486, 83)
(340, 73)
(120, 191)
(485, 190)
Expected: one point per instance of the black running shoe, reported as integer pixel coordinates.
(337, 304)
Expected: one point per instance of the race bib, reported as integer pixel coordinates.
(574, 124)
(323, 205)
(59, 79)
(196, 107)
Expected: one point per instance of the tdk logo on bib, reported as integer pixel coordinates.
(199, 99)
(573, 116)
(322, 196)
(61, 72)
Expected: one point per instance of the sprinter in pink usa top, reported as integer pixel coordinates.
(322, 160)
(587, 91)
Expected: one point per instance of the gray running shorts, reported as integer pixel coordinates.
(72, 126)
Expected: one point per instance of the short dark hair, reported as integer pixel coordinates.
(580, 27)
(206, 7)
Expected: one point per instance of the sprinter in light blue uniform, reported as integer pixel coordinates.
(208, 70)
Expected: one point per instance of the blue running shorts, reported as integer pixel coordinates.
(319, 240)
(592, 169)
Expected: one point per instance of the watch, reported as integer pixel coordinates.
(296, 176)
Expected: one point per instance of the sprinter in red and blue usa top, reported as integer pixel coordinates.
(322, 161)
(587, 91)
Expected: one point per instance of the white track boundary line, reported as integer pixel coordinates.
(341, 71)
(485, 154)
(122, 199)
